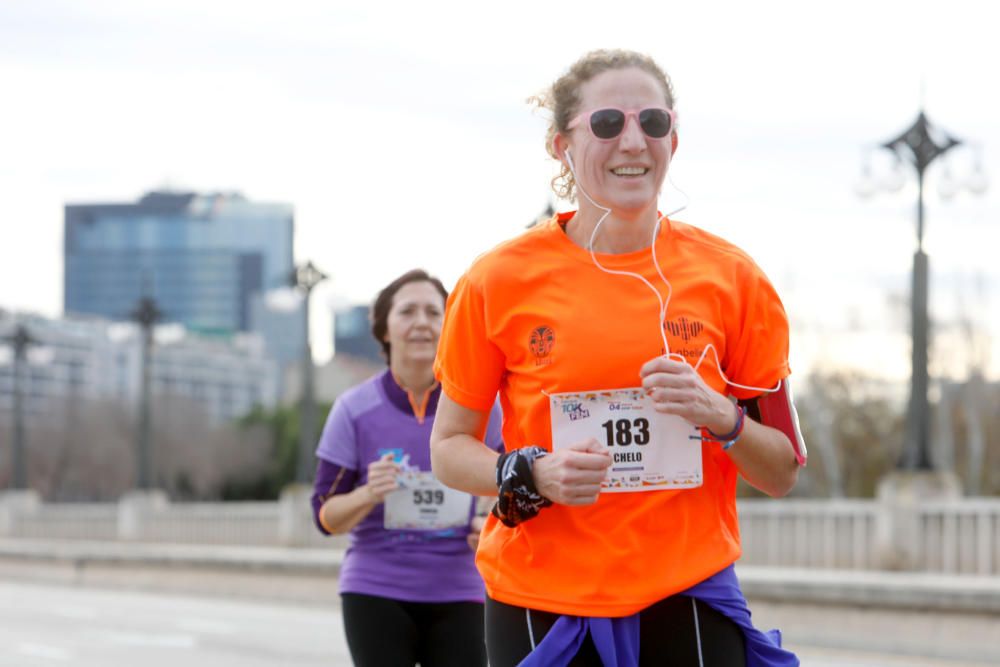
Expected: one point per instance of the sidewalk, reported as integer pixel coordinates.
(865, 588)
(84, 552)
(260, 573)
(894, 590)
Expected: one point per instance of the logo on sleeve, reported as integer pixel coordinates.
(540, 343)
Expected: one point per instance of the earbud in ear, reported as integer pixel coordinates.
(569, 161)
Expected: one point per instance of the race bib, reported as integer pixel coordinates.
(650, 450)
(424, 503)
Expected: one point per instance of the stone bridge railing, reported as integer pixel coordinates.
(959, 536)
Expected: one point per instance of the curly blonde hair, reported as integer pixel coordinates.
(562, 99)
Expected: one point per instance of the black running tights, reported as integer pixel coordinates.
(382, 632)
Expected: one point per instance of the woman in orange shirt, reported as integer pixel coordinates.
(614, 534)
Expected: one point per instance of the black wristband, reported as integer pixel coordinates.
(517, 497)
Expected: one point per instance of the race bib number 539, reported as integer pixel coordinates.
(424, 503)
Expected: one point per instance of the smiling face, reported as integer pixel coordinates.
(624, 174)
(414, 323)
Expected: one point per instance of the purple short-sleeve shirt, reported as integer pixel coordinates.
(365, 423)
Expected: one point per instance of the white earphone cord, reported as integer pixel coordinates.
(664, 303)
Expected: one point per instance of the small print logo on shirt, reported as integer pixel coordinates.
(540, 343)
(683, 327)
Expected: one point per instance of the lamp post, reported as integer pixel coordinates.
(20, 340)
(147, 314)
(919, 145)
(305, 277)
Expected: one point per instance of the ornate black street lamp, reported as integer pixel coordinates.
(20, 340)
(919, 145)
(305, 277)
(147, 314)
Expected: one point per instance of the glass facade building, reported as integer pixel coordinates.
(201, 256)
(282, 326)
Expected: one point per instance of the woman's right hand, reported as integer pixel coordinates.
(382, 478)
(572, 476)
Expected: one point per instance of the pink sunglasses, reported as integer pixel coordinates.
(606, 124)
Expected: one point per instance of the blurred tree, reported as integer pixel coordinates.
(853, 427)
(89, 456)
(969, 407)
(280, 427)
(193, 459)
(975, 414)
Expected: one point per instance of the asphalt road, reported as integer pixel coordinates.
(49, 625)
(44, 624)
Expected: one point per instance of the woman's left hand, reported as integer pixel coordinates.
(677, 389)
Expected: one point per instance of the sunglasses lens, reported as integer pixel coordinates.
(655, 123)
(607, 123)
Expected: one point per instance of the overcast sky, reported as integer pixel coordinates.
(400, 133)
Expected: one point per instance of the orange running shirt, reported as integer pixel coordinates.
(536, 316)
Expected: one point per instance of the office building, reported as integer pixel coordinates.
(203, 257)
(95, 359)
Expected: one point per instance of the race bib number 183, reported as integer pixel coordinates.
(650, 450)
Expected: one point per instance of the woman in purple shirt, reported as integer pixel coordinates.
(408, 583)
